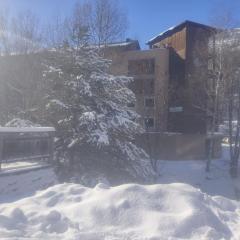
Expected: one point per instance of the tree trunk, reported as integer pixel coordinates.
(209, 153)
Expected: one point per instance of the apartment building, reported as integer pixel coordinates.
(169, 82)
(169, 78)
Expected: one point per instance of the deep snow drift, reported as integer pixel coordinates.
(136, 212)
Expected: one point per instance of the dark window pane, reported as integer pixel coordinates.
(148, 86)
(149, 122)
(149, 102)
(143, 66)
(131, 105)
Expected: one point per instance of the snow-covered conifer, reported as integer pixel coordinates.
(88, 107)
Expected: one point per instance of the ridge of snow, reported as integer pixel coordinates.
(130, 211)
(26, 129)
(119, 44)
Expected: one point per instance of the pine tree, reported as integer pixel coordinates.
(88, 107)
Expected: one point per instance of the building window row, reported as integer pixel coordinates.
(142, 66)
(149, 102)
(140, 85)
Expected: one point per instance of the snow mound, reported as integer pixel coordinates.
(167, 211)
(17, 122)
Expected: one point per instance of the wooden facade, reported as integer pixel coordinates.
(188, 47)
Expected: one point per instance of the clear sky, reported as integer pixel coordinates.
(147, 18)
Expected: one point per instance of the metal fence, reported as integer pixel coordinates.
(21, 144)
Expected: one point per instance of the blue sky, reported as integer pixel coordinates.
(147, 18)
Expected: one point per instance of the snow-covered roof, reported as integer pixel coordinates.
(160, 34)
(120, 44)
(126, 43)
(26, 129)
(172, 29)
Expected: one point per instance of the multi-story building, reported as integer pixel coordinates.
(170, 82)
(169, 78)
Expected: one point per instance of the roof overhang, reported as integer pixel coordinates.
(174, 29)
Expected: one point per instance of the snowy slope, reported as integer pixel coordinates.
(14, 187)
(134, 212)
(216, 182)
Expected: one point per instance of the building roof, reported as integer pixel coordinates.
(176, 28)
(26, 129)
(127, 43)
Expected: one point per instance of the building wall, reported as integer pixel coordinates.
(177, 146)
(197, 76)
(176, 41)
(188, 47)
(150, 82)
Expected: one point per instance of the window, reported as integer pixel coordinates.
(143, 66)
(136, 85)
(149, 123)
(210, 64)
(131, 105)
(148, 86)
(149, 102)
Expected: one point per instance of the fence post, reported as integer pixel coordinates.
(1, 150)
(51, 147)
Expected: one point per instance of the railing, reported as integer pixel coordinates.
(31, 143)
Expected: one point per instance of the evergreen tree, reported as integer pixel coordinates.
(88, 107)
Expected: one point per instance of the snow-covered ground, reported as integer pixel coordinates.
(186, 203)
(15, 187)
(18, 166)
(216, 182)
(135, 212)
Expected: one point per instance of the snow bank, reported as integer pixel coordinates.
(136, 212)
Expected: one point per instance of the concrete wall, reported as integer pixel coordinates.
(176, 146)
(120, 65)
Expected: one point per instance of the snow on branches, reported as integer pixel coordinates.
(88, 107)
